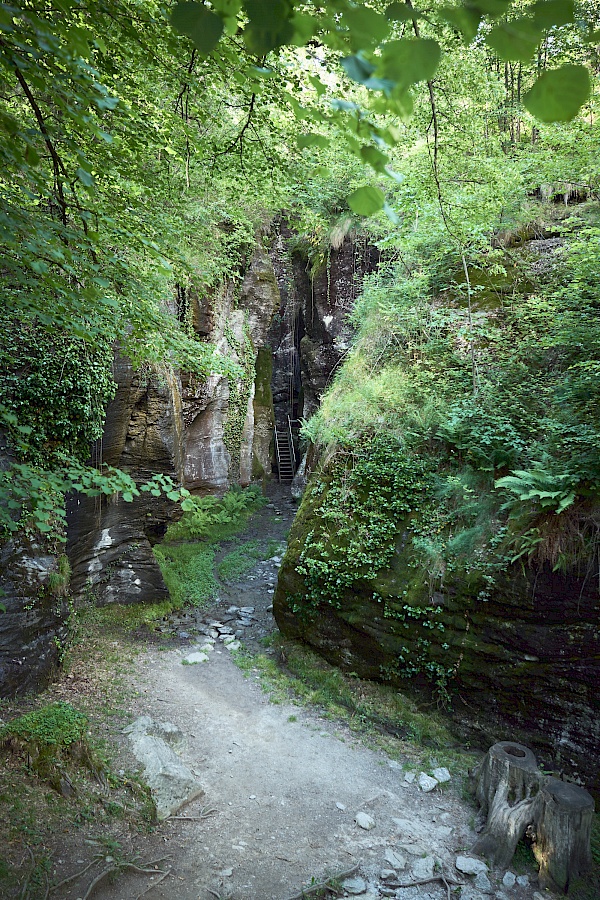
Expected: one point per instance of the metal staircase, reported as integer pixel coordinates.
(285, 454)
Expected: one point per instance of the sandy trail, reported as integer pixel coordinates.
(285, 785)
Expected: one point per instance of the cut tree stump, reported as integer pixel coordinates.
(563, 834)
(508, 790)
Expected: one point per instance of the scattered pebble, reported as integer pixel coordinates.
(194, 658)
(354, 886)
(426, 783)
(422, 869)
(364, 820)
(469, 865)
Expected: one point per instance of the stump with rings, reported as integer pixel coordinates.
(516, 796)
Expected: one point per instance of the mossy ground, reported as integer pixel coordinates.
(383, 717)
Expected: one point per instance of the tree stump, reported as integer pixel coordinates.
(563, 834)
(508, 790)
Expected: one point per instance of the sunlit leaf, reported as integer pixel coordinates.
(198, 23)
(318, 85)
(558, 95)
(85, 177)
(400, 12)
(304, 28)
(492, 8)
(374, 158)
(464, 18)
(366, 201)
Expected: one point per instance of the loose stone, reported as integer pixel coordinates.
(194, 658)
(395, 859)
(364, 820)
(483, 884)
(355, 886)
(442, 775)
(470, 866)
(426, 783)
(422, 869)
(509, 879)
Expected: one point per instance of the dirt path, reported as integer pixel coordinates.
(284, 784)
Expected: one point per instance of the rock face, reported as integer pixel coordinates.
(522, 663)
(204, 434)
(33, 627)
(110, 541)
(311, 331)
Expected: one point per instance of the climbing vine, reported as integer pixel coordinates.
(359, 514)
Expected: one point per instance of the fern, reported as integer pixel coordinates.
(552, 492)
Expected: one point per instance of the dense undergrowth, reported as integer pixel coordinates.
(461, 436)
(187, 555)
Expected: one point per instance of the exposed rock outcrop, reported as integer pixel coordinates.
(110, 541)
(33, 627)
(520, 661)
(204, 434)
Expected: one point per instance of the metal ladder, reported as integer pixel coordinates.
(284, 451)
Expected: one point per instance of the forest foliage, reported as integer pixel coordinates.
(144, 145)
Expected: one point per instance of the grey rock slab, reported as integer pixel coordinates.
(410, 777)
(234, 645)
(172, 784)
(483, 883)
(247, 610)
(354, 886)
(522, 880)
(469, 865)
(364, 820)
(194, 658)
(468, 892)
(395, 859)
(442, 775)
(426, 783)
(422, 869)
(509, 879)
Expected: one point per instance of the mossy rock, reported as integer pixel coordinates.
(49, 738)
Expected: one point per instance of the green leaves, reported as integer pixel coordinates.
(312, 140)
(366, 201)
(367, 27)
(198, 23)
(516, 40)
(558, 95)
(270, 24)
(548, 13)
(408, 61)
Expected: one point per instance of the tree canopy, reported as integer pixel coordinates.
(143, 145)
